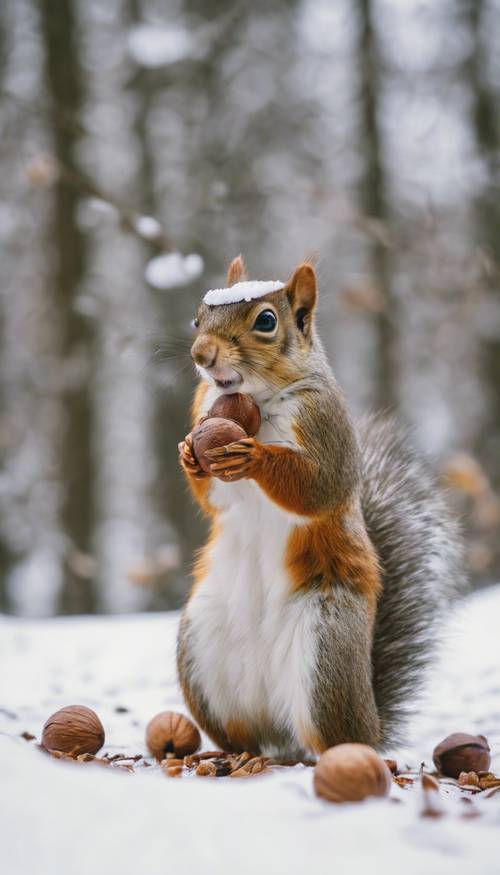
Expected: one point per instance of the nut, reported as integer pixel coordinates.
(171, 733)
(214, 432)
(351, 772)
(206, 767)
(468, 779)
(460, 752)
(73, 730)
(240, 408)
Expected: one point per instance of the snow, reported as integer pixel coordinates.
(155, 46)
(58, 818)
(246, 291)
(173, 269)
(148, 227)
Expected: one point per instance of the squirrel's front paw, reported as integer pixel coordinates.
(188, 460)
(235, 461)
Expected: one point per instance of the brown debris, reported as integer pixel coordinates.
(431, 803)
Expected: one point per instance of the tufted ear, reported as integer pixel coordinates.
(236, 271)
(302, 293)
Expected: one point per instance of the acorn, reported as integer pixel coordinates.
(214, 432)
(170, 734)
(240, 408)
(461, 752)
(351, 772)
(73, 730)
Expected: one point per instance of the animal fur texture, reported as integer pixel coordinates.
(331, 556)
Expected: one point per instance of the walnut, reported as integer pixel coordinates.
(73, 730)
(214, 432)
(460, 752)
(351, 772)
(240, 408)
(172, 733)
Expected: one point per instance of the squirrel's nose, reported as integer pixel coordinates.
(204, 351)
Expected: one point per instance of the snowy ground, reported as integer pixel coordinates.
(62, 819)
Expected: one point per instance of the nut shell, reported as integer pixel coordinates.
(172, 733)
(74, 730)
(239, 407)
(214, 432)
(460, 752)
(351, 772)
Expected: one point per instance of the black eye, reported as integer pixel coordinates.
(266, 321)
(195, 323)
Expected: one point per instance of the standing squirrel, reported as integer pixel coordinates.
(330, 554)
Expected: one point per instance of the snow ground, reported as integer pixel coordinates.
(61, 819)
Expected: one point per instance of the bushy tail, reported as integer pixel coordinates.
(421, 557)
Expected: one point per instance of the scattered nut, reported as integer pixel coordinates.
(73, 730)
(171, 733)
(488, 780)
(173, 771)
(468, 779)
(351, 772)
(171, 763)
(460, 752)
(206, 768)
(214, 432)
(392, 766)
(240, 408)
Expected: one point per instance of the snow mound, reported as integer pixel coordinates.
(246, 291)
(153, 46)
(57, 817)
(173, 269)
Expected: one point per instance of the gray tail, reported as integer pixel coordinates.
(420, 552)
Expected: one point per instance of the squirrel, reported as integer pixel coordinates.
(331, 552)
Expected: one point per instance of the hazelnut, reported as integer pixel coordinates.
(351, 772)
(240, 408)
(214, 432)
(460, 752)
(73, 730)
(172, 733)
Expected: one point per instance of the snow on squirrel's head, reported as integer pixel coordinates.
(254, 336)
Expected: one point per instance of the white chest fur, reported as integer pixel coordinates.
(253, 642)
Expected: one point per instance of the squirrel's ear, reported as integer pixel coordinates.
(236, 271)
(302, 293)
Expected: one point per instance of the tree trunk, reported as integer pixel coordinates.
(66, 262)
(373, 205)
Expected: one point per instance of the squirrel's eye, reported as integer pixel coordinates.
(195, 323)
(266, 321)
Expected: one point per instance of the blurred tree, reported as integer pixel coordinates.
(66, 264)
(5, 553)
(485, 123)
(485, 118)
(375, 219)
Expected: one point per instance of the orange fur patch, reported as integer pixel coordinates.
(240, 736)
(310, 739)
(285, 476)
(325, 550)
(200, 488)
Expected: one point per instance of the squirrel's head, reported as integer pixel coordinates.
(256, 345)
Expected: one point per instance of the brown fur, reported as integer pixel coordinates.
(236, 272)
(327, 551)
(332, 555)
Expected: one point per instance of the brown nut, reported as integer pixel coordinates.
(240, 408)
(214, 432)
(73, 730)
(351, 772)
(172, 733)
(460, 752)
